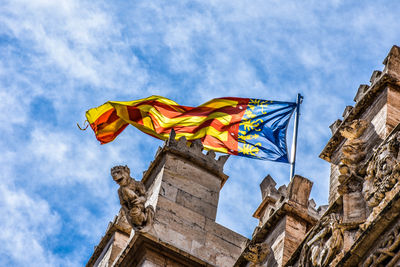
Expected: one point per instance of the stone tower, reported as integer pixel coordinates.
(285, 216)
(182, 185)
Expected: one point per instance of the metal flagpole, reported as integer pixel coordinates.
(294, 142)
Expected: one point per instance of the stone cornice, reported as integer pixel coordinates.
(145, 241)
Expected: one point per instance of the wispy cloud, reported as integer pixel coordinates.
(59, 59)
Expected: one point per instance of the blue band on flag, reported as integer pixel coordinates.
(262, 131)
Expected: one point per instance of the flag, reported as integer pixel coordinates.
(247, 127)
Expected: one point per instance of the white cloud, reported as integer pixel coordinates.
(26, 223)
(78, 38)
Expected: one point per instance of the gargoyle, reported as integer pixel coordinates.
(353, 149)
(132, 196)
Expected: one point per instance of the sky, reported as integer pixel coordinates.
(61, 58)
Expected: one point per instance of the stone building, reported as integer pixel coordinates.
(168, 219)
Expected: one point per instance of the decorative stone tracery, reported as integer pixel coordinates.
(388, 251)
(383, 171)
(326, 241)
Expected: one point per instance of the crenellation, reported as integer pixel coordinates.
(285, 215)
(267, 187)
(299, 190)
(392, 62)
(375, 76)
(347, 111)
(334, 126)
(362, 89)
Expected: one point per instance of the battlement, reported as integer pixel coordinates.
(285, 216)
(191, 152)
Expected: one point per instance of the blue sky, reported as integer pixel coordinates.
(60, 58)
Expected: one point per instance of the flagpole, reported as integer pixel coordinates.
(294, 142)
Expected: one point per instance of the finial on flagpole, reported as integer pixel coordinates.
(294, 142)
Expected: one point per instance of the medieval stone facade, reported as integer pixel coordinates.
(168, 218)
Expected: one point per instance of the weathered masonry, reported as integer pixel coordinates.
(168, 218)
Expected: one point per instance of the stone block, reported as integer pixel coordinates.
(354, 208)
(362, 89)
(375, 76)
(171, 213)
(299, 190)
(167, 234)
(224, 260)
(267, 186)
(295, 232)
(392, 62)
(191, 187)
(215, 243)
(347, 111)
(334, 126)
(168, 191)
(183, 168)
(224, 233)
(196, 204)
(393, 109)
(152, 259)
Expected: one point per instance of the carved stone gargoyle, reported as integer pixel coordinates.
(132, 196)
(353, 149)
(257, 253)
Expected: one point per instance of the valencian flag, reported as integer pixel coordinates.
(246, 127)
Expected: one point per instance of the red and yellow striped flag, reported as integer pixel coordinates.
(225, 125)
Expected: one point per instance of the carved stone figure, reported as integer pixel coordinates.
(383, 171)
(353, 150)
(321, 248)
(132, 196)
(386, 251)
(257, 253)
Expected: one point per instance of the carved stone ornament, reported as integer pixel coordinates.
(388, 251)
(353, 150)
(383, 171)
(257, 253)
(132, 196)
(321, 248)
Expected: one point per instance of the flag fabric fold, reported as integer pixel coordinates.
(247, 127)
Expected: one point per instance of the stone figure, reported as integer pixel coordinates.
(385, 253)
(132, 196)
(353, 150)
(383, 171)
(257, 253)
(322, 247)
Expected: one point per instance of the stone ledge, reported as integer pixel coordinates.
(145, 241)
